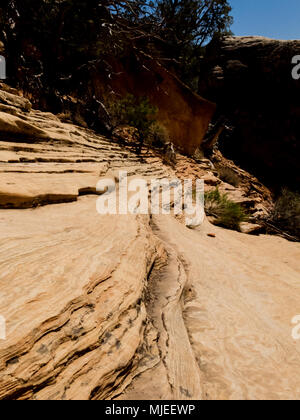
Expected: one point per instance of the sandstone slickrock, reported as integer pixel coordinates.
(240, 297)
(250, 79)
(251, 228)
(121, 307)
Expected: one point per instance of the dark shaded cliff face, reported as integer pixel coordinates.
(251, 80)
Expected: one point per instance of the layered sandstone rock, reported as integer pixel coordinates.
(120, 307)
(251, 80)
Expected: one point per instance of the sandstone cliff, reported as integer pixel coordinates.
(121, 307)
(182, 112)
(251, 80)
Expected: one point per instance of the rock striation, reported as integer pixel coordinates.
(132, 306)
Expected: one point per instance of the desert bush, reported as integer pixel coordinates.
(140, 114)
(226, 212)
(158, 135)
(134, 112)
(286, 214)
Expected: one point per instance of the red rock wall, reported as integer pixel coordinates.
(184, 114)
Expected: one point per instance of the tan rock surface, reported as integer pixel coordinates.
(240, 296)
(246, 300)
(102, 307)
(76, 321)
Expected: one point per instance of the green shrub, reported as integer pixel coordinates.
(286, 214)
(135, 112)
(158, 135)
(226, 212)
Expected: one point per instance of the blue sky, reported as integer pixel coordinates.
(278, 19)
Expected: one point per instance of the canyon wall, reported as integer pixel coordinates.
(250, 79)
(183, 113)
